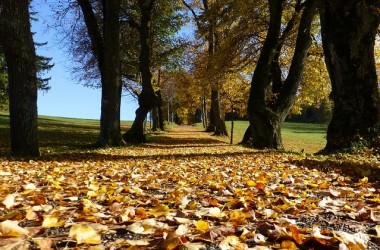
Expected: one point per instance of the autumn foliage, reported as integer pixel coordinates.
(186, 190)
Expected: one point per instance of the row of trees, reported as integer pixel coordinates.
(133, 45)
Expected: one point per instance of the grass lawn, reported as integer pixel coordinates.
(58, 134)
(296, 136)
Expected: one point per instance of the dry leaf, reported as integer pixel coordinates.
(12, 229)
(232, 242)
(357, 241)
(9, 201)
(202, 226)
(84, 234)
(182, 230)
(289, 245)
(52, 221)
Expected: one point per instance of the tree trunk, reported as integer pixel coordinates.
(18, 46)
(217, 124)
(259, 116)
(348, 32)
(160, 115)
(267, 116)
(147, 98)
(106, 49)
(204, 112)
(111, 87)
(155, 119)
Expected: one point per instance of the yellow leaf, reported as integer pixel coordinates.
(9, 201)
(288, 244)
(52, 221)
(202, 226)
(84, 234)
(237, 216)
(232, 242)
(12, 229)
(251, 183)
(43, 244)
(160, 210)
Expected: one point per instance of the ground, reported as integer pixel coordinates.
(187, 190)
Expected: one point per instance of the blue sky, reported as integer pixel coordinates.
(66, 98)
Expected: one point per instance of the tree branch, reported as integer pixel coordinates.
(196, 17)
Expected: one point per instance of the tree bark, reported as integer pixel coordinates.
(17, 43)
(267, 116)
(348, 32)
(216, 124)
(110, 134)
(261, 132)
(147, 98)
(106, 48)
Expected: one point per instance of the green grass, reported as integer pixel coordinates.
(296, 136)
(58, 134)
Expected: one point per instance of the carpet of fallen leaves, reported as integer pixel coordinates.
(186, 190)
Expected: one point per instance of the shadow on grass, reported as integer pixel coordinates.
(310, 128)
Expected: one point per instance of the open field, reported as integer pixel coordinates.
(58, 134)
(308, 137)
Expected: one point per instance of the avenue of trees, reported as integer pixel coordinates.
(259, 59)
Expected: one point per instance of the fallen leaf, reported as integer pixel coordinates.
(12, 229)
(9, 201)
(202, 226)
(142, 242)
(232, 242)
(357, 241)
(43, 243)
(289, 245)
(52, 221)
(148, 226)
(182, 230)
(194, 246)
(84, 234)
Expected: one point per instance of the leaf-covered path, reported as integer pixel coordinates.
(185, 190)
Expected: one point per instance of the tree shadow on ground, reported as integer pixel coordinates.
(163, 141)
(94, 156)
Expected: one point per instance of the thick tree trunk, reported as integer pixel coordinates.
(106, 49)
(348, 32)
(147, 98)
(17, 43)
(266, 117)
(111, 87)
(259, 116)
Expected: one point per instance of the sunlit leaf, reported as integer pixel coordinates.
(288, 244)
(357, 241)
(12, 229)
(9, 201)
(52, 221)
(232, 242)
(202, 226)
(84, 234)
